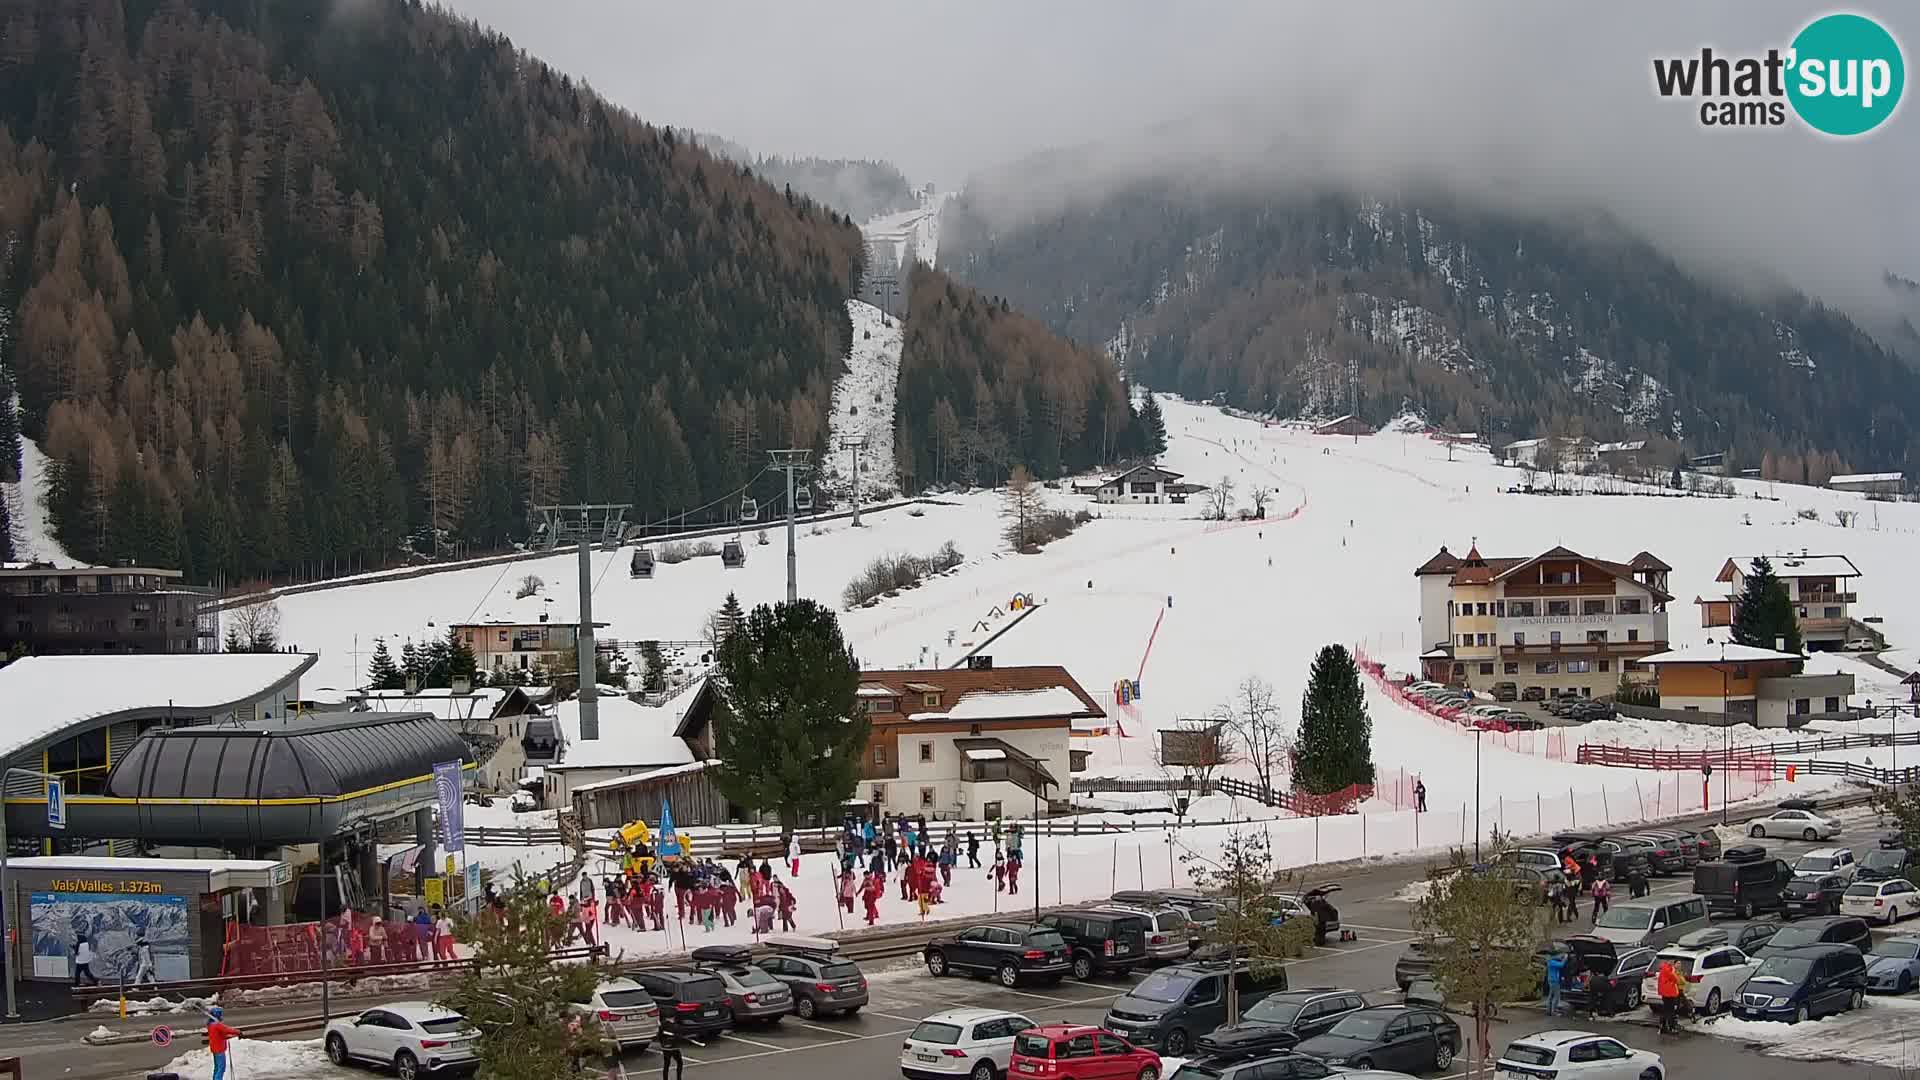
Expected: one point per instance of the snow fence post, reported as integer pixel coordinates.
(1607, 810)
(1573, 810)
(1539, 817)
(1463, 824)
(1638, 794)
(1363, 835)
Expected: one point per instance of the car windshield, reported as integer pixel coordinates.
(1361, 1025)
(1522, 1054)
(1027, 1045)
(443, 1025)
(1863, 889)
(1274, 1011)
(841, 970)
(1626, 917)
(752, 976)
(1788, 937)
(1046, 939)
(1818, 864)
(626, 999)
(1897, 950)
(1202, 912)
(1782, 969)
(931, 1031)
(1885, 859)
(1164, 986)
(1190, 1071)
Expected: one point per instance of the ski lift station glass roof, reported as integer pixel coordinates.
(206, 748)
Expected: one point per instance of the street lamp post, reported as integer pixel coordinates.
(1477, 732)
(6, 886)
(1726, 734)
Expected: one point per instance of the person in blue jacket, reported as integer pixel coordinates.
(1556, 974)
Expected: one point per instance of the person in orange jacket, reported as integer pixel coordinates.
(1670, 996)
(217, 1035)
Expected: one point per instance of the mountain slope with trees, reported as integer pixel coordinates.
(859, 189)
(1307, 303)
(984, 389)
(299, 284)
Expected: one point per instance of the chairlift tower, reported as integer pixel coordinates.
(855, 443)
(791, 462)
(584, 523)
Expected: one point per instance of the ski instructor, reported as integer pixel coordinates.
(217, 1035)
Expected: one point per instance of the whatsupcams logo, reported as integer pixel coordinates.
(1842, 75)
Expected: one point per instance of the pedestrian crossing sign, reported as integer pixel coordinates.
(56, 804)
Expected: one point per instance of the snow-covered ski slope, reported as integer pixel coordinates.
(33, 539)
(1347, 524)
(863, 403)
(918, 228)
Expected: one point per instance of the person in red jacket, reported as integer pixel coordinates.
(1670, 996)
(217, 1035)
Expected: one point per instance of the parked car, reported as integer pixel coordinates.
(1505, 691)
(1713, 969)
(752, 994)
(1415, 962)
(1664, 854)
(1652, 921)
(1827, 860)
(1173, 1005)
(1831, 930)
(1200, 909)
(1803, 824)
(1616, 856)
(1407, 1038)
(411, 1037)
(1577, 1055)
(1280, 1020)
(1170, 936)
(1884, 901)
(1804, 983)
(1743, 882)
(1010, 951)
(1813, 896)
(1100, 941)
(1528, 880)
(1081, 1053)
(974, 1043)
(1798, 802)
(1539, 858)
(823, 982)
(1684, 841)
(1709, 843)
(1750, 938)
(1268, 1065)
(626, 1012)
(1891, 859)
(1893, 965)
(1534, 693)
(1618, 973)
(1860, 644)
(692, 1003)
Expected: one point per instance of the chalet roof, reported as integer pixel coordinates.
(1167, 474)
(1027, 686)
(1443, 562)
(1647, 560)
(1631, 446)
(1717, 654)
(1866, 478)
(1475, 570)
(1792, 566)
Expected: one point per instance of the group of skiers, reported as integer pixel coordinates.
(1581, 875)
(1668, 982)
(705, 893)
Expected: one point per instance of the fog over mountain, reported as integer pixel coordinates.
(1519, 105)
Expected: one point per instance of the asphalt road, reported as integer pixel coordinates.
(868, 1045)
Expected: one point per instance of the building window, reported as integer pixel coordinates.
(879, 794)
(1629, 605)
(1459, 671)
(1579, 667)
(1833, 704)
(1831, 613)
(1546, 667)
(1486, 669)
(1499, 609)
(1553, 637)
(1466, 640)
(1519, 637)
(1599, 636)
(1632, 634)
(931, 701)
(1559, 607)
(1521, 609)
(1511, 668)
(1802, 706)
(1480, 640)
(1606, 665)
(926, 751)
(1739, 671)
(879, 753)
(879, 704)
(1480, 609)
(926, 797)
(1633, 665)
(1593, 607)
(503, 637)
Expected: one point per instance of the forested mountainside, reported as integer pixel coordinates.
(860, 189)
(299, 282)
(1482, 322)
(984, 388)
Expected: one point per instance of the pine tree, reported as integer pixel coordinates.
(1336, 734)
(791, 741)
(730, 614)
(654, 679)
(233, 642)
(382, 672)
(1022, 504)
(460, 661)
(1763, 614)
(413, 665)
(437, 657)
(6, 531)
(1153, 428)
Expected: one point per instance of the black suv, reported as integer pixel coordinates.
(1828, 930)
(823, 982)
(1114, 941)
(1890, 860)
(1264, 1066)
(692, 1003)
(1011, 951)
(1281, 1020)
(1173, 1005)
(1814, 895)
(1745, 881)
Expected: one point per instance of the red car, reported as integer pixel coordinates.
(1079, 1052)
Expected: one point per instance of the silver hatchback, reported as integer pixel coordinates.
(627, 1013)
(756, 996)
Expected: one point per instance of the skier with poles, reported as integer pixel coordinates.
(218, 1033)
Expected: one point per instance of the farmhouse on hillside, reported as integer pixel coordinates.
(1142, 484)
(1889, 484)
(1344, 425)
(1559, 620)
(1821, 588)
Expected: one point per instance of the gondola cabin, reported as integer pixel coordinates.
(749, 510)
(733, 556)
(642, 565)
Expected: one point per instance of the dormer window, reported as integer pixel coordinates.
(931, 701)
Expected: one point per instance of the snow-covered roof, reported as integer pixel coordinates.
(1795, 566)
(1013, 704)
(872, 691)
(631, 734)
(52, 694)
(1867, 478)
(1714, 654)
(988, 754)
(148, 865)
(441, 702)
(650, 776)
(1616, 447)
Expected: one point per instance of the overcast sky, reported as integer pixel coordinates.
(1536, 105)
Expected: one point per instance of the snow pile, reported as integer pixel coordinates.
(153, 1005)
(863, 402)
(100, 1034)
(258, 1060)
(1877, 1033)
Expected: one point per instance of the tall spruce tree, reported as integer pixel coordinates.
(790, 740)
(1153, 427)
(382, 672)
(413, 665)
(653, 678)
(6, 530)
(460, 661)
(1336, 734)
(1764, 615)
